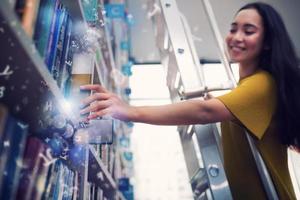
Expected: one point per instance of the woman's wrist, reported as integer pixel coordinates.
(133, 114)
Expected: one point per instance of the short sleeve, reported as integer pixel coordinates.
(253, 102)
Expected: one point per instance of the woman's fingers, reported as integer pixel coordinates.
(100, 113)
(97, 88)
(94, 97)
(95, 106)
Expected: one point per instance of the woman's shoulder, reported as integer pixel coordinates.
(259, 79)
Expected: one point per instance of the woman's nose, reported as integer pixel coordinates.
(238, 36)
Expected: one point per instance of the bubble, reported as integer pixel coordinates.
(59, 121)
(69, 131)
(2, 30)
(6, 143)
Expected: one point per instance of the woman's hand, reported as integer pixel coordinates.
(208, 96)
(103, 102)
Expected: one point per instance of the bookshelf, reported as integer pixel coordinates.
(30, 93)
(30, 86)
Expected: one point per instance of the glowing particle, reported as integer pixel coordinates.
(69, 131)
(100, 176)
(59, 121)
(2, 89)
(23, 87)
(6, 143)
(13, 23)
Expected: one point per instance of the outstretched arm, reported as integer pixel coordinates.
(102, 102)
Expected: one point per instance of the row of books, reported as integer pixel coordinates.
(106, 153)
(13, 134)
(44, 177)
(50, 25)
(28, 170)
(95, 192)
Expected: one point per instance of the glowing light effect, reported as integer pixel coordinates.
(81, 137)
(67, 106)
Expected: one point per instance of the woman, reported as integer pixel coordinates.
(266, 103)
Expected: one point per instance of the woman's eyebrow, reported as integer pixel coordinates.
(247, 25)
(250, 26)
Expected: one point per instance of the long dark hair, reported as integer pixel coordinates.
(279, 59)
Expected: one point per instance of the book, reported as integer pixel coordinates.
(54, 53)
(65, 68)
(3, 117)
(10, 159)
(19, 7)
(29, 16)
(31, 171)
(44, 24)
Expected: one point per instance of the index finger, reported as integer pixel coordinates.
(93, 87)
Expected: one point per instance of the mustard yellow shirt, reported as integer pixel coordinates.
(253, 103)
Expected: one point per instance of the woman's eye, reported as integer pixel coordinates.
(232, 30)
(249, 32)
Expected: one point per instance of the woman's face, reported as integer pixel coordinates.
(245, 39)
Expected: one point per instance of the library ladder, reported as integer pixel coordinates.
(185, 79)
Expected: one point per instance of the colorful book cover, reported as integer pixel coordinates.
(44, 24)
(55, 54)
(32, 161)
(15, 137)
(65, 63)
(13, 166)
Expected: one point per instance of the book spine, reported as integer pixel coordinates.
(63, 68)
(3, 118)
(13, 166)
(29, 16)
(43, 26)
(58, 56)
(4, 156)
(53, 38)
